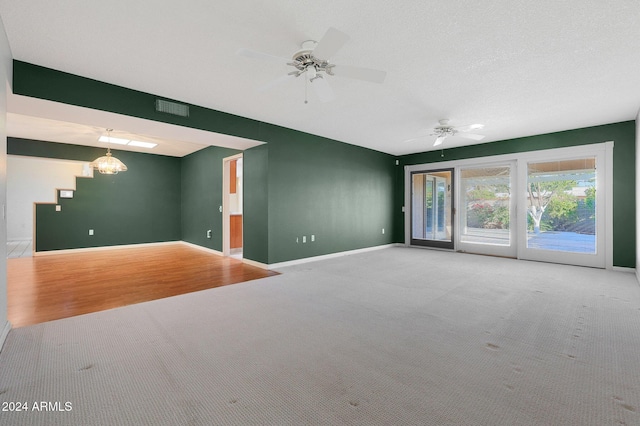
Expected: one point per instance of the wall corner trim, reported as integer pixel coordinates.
(256, 264)
(4, 333)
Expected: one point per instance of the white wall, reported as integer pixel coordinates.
(35, 180)
(6, 66)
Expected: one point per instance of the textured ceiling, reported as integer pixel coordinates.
(519, 67)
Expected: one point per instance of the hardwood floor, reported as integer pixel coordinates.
(45, 288)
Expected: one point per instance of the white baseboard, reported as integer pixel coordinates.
(4, 333)
(624, 269)
(123, 246)
(327, 256)
(216, 252)
(297, 261)
(207, 249)
(256, 264)
(80, 250)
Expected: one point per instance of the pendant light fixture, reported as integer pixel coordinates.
(108, 164)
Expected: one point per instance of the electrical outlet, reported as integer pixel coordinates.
(209, 233)
(297, 240)
(58, 208)
(90, 231)
(313, 238)
(304, 238)
(383, 230)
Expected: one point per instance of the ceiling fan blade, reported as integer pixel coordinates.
(261, 55)
(420, 138)
(470, 136)
(359, 73)
(330, 43)
(470, 127)
(323, 90)
(439, 140)
(277, 82)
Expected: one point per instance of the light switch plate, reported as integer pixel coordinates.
(65, 193)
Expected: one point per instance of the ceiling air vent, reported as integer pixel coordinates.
(172, 108)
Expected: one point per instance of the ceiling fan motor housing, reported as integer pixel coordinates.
(303, 59)
(446, 131)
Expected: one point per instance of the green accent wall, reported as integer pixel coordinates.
(141, 205)
(340, 193)
(624, 190)
(255, 214)
(295, 185)
(201, 183)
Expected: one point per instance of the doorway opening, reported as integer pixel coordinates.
(431, 208)
(232, 207)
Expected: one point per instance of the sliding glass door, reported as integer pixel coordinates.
(431, 208)
(548, 205)
(487, 224)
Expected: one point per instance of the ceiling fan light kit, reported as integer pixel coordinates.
(305, 61)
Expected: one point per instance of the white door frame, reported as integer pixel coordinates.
(604, 153)
(603, 257)
(226, 217)
(434, 242)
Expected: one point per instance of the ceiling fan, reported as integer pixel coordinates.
(312, 62)
(444, 130)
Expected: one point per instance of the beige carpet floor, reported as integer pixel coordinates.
(392, 337)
